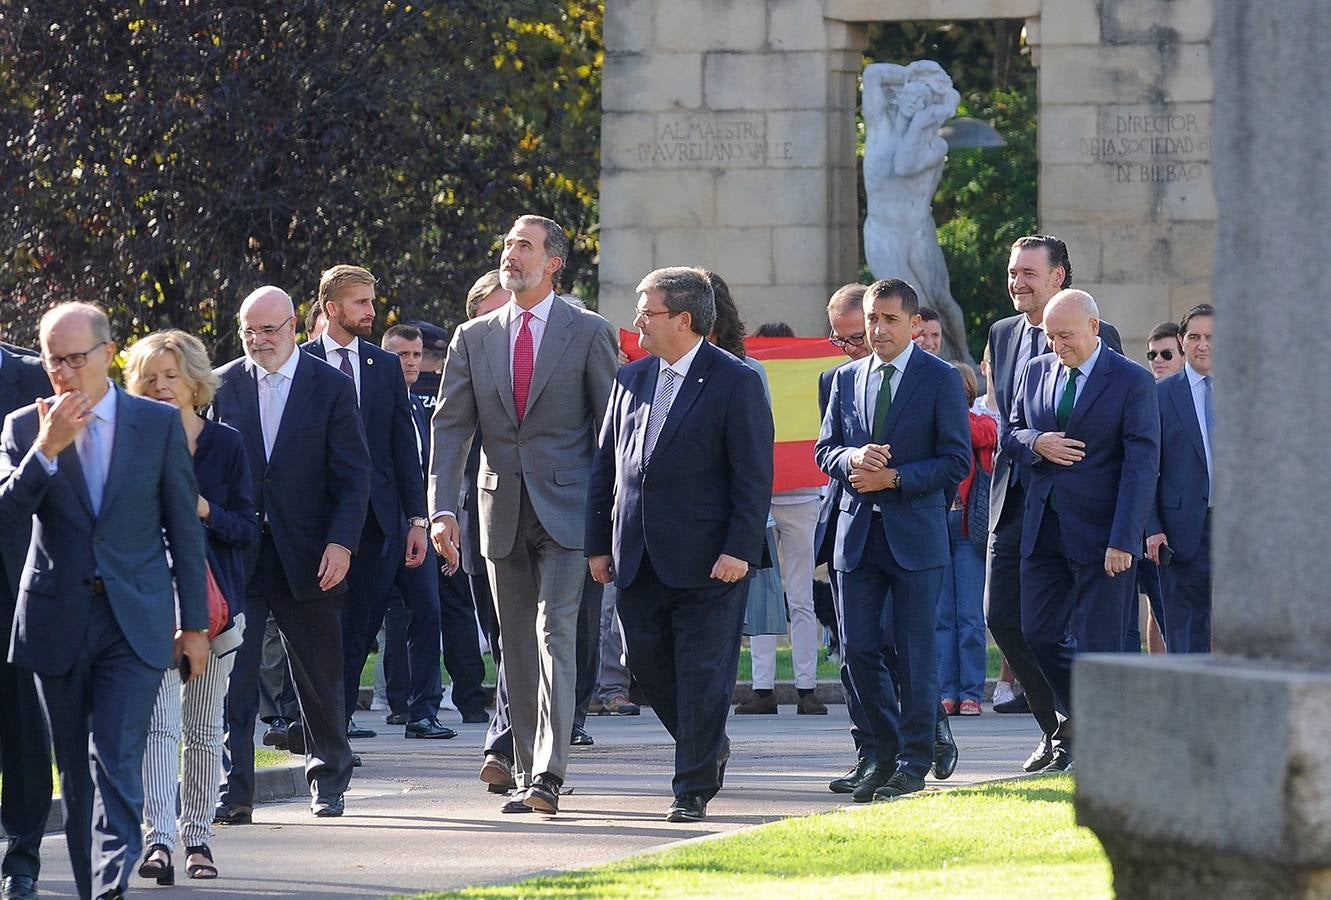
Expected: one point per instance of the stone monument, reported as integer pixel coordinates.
(1210, 778)
(904, 107)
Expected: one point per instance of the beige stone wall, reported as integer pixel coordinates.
(728, 142)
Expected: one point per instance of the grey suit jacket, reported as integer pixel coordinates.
(551, 451)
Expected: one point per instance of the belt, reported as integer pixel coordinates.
(98, 586)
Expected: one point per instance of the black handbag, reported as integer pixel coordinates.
(977, 506)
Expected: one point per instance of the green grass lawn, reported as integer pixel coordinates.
(1006, 840)
(785, 669)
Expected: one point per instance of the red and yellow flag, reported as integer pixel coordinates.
(793, 366)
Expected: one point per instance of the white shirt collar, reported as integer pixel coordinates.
(331, 346)
(681, 366)
(898, 362)
(539, 311)
(1194, 377)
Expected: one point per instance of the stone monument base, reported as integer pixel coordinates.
(1205, 777)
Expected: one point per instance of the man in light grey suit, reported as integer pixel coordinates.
(535, 375)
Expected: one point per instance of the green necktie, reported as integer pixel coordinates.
(884, 402)
(1069, 399)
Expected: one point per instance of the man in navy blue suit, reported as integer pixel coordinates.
(107, 480)
(1184, 498)
(311, 473)
(685, 450)
(897, 438)
(395, 531)
(1085, 429)
(1038, 268)
(25, 749)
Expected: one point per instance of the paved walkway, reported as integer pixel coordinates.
(418, 818)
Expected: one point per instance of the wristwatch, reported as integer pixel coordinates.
(896, 481)
(419, 522)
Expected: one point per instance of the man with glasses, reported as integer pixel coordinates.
(99, 600)
(311, 473)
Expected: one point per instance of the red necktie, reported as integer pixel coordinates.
(523, 361)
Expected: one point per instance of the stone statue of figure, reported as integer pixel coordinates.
(904, 106)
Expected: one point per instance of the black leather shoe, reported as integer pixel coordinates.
(356, 761)
(395, 719)
(276, 734)
(1061, 761)
(296, 738)
(945, 749)
(19, 887)
(497, 773)
(355, 731)
(517, 806)
(113, 894)
(580, 737)
(429, 728)
(225, 814)
(689, 808)
(330, 808)
(874, 777)
(476, 717)
(543, 795)
(847, 783)
(1018, 704)
(1040, 756)
(900, 783)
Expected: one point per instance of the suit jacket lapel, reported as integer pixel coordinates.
(687, 392)
(1095, 386)
(1010, 352)
(72, 468)
(910, 380)
(644, 390)
(122, 451)
(246, 415)
(862, 404)
(496, 349)
(298, 396)
(1180, 394)
(553, 344)
(1048, 386)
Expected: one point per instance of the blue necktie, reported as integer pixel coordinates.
(91, 458)
(1210, 410)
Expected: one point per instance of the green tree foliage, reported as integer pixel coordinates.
(164, 157)
(987, 197)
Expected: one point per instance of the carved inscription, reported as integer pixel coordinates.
(713, 140)
(1145, 144)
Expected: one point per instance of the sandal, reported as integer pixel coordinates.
(199, 862)
(157, 864)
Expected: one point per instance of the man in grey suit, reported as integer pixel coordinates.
(107, 480)
(536, 374)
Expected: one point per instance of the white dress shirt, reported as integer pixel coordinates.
(875, 382)
(334, 358)
(270, 417)
(1196, 381)
(540, 315)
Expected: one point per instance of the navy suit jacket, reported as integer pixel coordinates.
(929, 432)
(315, 487)
(149, 501)
(1104, 499)
(22, 381)
(396, 494)
(1003, 339)
(708, 486)
(828, 505)
(1184, 489)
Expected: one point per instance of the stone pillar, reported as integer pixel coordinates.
(728, 141)
(1211, 777)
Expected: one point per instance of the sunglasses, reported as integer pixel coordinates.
(1166, 355)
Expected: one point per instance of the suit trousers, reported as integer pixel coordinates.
(392, 673)
(461, 645)
(890, 616)
(795, 524)
(369, 581)
(499, 736)
(683, 648)
(1003, 608)
(25, 758)
(1069, 607)
(589, 647)
(277, 695)
(538, 592)
(861, 733)
(99, 712)
(418, 590)
(310, 631)
(192, 712)
(1187, 599)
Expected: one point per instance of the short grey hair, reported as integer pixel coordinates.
(556, 242)
(685, 290)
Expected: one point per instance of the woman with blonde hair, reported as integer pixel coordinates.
(173, 367)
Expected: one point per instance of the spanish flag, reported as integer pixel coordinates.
(793, 366)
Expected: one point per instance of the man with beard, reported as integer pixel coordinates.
(395, 525)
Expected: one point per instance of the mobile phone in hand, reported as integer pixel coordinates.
(185, 669)
(1166, 555)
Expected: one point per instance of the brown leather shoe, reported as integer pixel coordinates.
(810, 705)
(760, 706)
(497, 773)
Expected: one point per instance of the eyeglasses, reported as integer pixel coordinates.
(73, 360)
(266, 331)
(855, 340)
(1166, 355)
(640, 313)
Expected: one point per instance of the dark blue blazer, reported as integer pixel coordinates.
(1003, 340)
(1103, 500)
(929, 432)
(149, 501)
(1184, 489)
(824, 533)
(396, 494)
(708, 486)
(315, 487)
(22, 381)
(223, 475)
